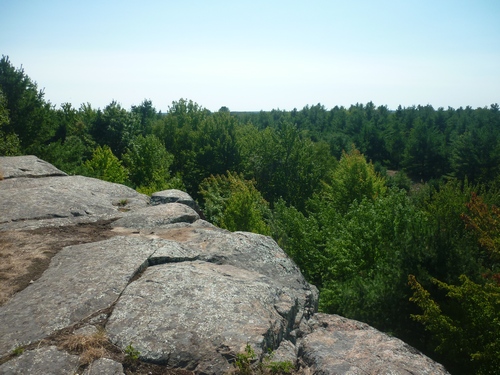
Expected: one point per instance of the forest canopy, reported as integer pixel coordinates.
(392, 213)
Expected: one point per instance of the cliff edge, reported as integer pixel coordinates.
(99, 279)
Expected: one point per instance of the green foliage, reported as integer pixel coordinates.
(234, 203)
(115, 127)
(282, 367)
(466, 329)
(370, 251)
(465, 325)
(399, 180)
(105, 166)
(31, 118)
(147, 116)
(68, 156)
(244, 360)
(302, 237)
(424, 155)
(276, 367)
(285, 163)
(9, 143)
(453, 249)
(352, 180)
(484, 221)
(18, 350)
(131, 353)
(148, 163)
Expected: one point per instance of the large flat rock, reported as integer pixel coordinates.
(28, 166)
(63, 200)
(81, 280)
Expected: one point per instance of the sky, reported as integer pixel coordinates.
(257, 55)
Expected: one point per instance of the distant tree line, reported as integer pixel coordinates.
(392, 214)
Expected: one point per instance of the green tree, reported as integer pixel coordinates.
(30, 116)
(105, 166)
(9, 143)
(147, 115)
(352, 179)
(148, 163)
(465, 323)
(115, 127)
(304, 235)
(179, 132)
(234, 203)
(466, 328)
(475, 155)
(285, 163)
(213, 149)
(424, 156)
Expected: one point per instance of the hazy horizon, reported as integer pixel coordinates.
(252, 56)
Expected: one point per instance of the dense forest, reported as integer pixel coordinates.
(392, 214)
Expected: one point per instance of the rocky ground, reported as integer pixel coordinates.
(98, 279)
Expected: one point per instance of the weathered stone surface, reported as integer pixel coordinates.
(286, 352)
(31, 203)
(251, 252)
(158, 216)
(42, 361)
(104, 366)
(175, 196)
(198, 314)
(27, 166)
(336, 345)
(80, 281)
(181, 291)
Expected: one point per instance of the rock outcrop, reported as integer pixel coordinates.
(170, 292)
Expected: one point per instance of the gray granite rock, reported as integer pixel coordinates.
(196, 315)
(104, 366)
(184, 293)
(49, 201)
(252, 252)
(80, 281)
(175, 196)
(27, 166)
(42, 361)
(336, 345)
(158, 216)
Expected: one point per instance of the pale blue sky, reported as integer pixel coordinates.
(253, 55)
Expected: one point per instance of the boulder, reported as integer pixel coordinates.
(175, 196)
(157, 216)
(198, 315)
(336, 345)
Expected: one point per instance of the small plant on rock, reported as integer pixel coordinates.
(281, 367)
(131, 353)
(18, 350)
(243, 364)
(244, 360)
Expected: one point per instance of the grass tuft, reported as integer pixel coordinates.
(89, 347)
